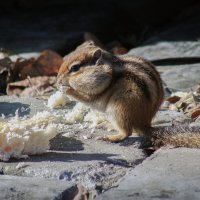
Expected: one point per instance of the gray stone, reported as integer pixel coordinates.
(25, 188)
(167, 117)
(167, 174)
(167, 49)
(176, 77)
(93, 163)
(196, 122)
(75, 155)
(183, 78)
(26, 106)
(180, 39)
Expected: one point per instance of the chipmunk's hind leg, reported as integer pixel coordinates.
(117, 137)
(122, 125)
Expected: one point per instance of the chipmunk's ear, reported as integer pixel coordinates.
(97, 55)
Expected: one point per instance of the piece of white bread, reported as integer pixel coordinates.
(79, 113)
(76, 114)
(58, 99)
(94, 117)
(22, 137)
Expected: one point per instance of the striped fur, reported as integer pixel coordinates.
(128, 89)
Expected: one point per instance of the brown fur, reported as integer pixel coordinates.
(128, 89)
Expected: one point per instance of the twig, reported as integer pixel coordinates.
(32, 86)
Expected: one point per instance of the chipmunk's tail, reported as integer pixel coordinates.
(176, 136)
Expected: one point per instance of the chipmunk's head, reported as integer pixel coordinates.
(85, 70)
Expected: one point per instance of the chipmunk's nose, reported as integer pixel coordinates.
(62, 84)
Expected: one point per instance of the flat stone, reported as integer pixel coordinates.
(25, 188)
(167, 49)
(93, 163)
(167, 117)
(75, 155)
(26, 106)
(181, 77)
(167, 174)
(176, 77)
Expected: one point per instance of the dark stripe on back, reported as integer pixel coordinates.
(148, 68)
(142, 85)
(148, 71)
(159, 80)
(150, 65)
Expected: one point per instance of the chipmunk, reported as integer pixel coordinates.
(127, 89)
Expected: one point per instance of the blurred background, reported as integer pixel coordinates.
(35, 35)
(35, 25)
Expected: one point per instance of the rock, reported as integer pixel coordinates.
(167, 174)
(167, 49)
(167, 117)
(93, 164)
(183, 78)
(73, 158)
(179, 39)
(26, 106)
(97, 165)
(176, 77)
(15, 187)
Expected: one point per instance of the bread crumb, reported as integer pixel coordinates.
(95, 117)
(58, 99)
(79, 113)
(22, 137)
(76, 114)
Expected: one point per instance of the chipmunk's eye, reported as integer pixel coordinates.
(75, 68)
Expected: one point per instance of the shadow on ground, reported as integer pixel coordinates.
(61, 143)
(10, 109)
(66, 157)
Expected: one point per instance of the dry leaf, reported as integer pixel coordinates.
(188, 103)
(48, 63)
(195, 114)
(23, 68)
(35, 86)
(173, 99)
